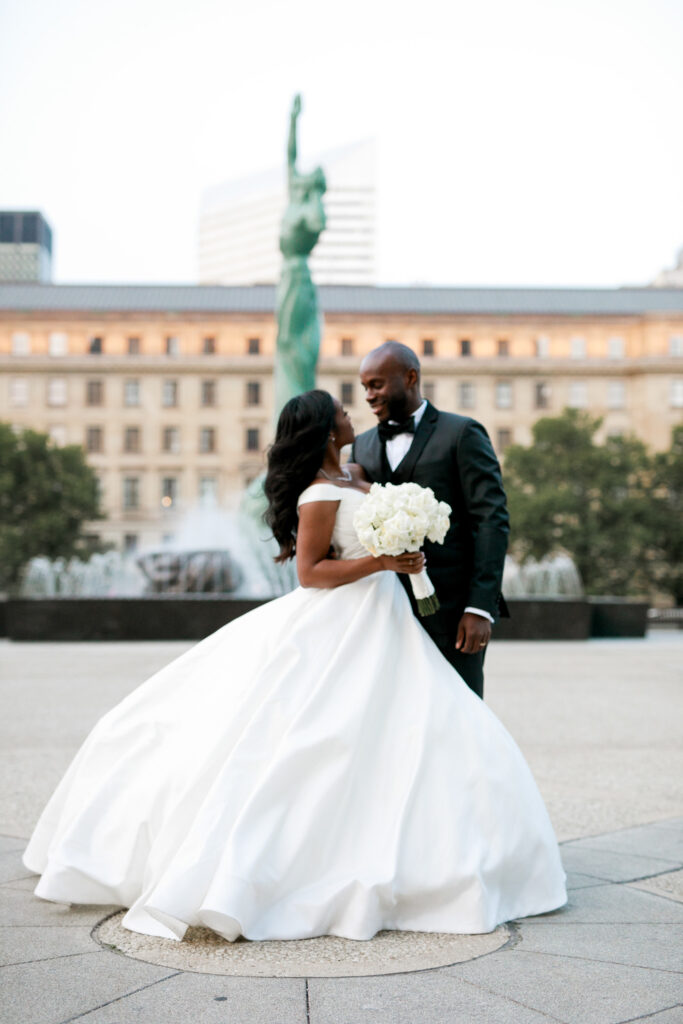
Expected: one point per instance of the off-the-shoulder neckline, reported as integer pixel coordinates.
(337, 487)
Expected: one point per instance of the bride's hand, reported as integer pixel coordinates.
(411, 562)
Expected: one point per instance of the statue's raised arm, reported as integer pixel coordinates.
(298, 316)
(291, 142)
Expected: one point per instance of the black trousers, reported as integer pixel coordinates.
(442, 627)
(469, 666)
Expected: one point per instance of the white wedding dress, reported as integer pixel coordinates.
(315, 767)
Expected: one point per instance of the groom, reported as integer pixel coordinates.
(453, 455)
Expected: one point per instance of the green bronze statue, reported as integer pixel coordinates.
(298, 316)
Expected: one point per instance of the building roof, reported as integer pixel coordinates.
(350, 299)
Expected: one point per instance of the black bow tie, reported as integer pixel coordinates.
(388, 430)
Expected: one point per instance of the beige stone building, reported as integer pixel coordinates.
(169, 390)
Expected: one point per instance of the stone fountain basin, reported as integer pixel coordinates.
(194, 616)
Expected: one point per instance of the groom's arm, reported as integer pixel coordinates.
(482, 488)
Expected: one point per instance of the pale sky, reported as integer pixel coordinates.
(522, 142)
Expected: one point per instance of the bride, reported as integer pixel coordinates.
(315, 767)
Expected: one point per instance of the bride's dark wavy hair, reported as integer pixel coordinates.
(294, 459)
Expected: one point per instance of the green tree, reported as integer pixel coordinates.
(594, 502)
(46, 495)
(668, 488)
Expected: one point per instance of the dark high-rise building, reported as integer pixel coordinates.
(25, 246)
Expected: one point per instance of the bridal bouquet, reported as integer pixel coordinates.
(395, 518)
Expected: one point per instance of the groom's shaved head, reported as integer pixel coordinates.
(390, 375)
(393, 353)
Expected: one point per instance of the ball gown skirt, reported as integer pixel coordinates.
(315, 767)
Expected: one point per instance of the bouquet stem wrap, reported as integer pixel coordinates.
(425, 595)
(396, 518)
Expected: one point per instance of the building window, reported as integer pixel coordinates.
(130, 543)
(94, 392)
(542, 346)
(253, 392)
(503, 347)
(504, 438)
(346, 392)
(208, 490)
(57, 435)
(616, 348)
(676, 394)
(131, 391)
(95, 346)
(616, 394)
(577, 348)
(207, 439)
(428, 389)
(169, 491)
(133, 346)
(56, 391)
(253, 346)
(169, 393)
(18, 391)
(676, 345)
(466, 394)
(347, 346)
(170, 439)
(252, 441)
(21, 344)
(131, 492)
(94, 439)
(465, 347)
(131, 439)
(173, 346)
(208, 395)
(578, 394)
(427, 346)
(542, 395)
(503, 394)
(209, 346)
(57, 343)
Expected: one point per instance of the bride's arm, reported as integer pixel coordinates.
(313, 539)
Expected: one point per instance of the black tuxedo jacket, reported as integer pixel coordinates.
(453, 455)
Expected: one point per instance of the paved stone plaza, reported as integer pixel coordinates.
(599, 723)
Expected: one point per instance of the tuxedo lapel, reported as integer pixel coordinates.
(375, 459)
(424, 431)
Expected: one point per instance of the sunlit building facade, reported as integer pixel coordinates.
(169, 388)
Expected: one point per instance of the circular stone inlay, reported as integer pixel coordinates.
(329, 956)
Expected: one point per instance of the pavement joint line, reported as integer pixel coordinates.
(622, 853)
(125, 995)
(674, 866)
(648, 892)
(649, 1016)
(56, 956)
(598, 960)
(308, 1002)
(516, 1002)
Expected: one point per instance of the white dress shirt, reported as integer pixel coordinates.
(397, 449)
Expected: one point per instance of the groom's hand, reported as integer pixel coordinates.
(474, 632)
